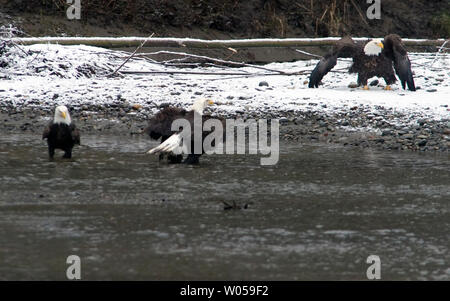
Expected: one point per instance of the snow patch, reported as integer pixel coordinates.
(62, 82)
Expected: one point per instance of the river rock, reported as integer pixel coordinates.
(374, 82)
(422, 142)
(408, 136)
(386, 133)
(136, 106)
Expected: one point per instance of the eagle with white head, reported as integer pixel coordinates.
(160, 126)
(61, 133)
(375, 58)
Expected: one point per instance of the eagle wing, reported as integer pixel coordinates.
(396, 51)
(170, 145)
(345, 47)
(75, 133)
(46, 132)
(161, 124)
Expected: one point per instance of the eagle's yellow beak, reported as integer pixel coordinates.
(63, 114)
(210, 102)
(381, 45)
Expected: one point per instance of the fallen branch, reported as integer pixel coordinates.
(212, 73)
(134, 52)
(220, 61)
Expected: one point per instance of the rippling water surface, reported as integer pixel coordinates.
(317, 215)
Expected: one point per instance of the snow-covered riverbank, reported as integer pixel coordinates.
(77, 76)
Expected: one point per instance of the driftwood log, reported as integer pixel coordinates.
(198, 43)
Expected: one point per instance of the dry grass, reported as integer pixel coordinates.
(250, 18)
(441, 24)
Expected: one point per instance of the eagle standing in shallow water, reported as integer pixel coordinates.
(61, 133)
(160, 126)
(375, 58)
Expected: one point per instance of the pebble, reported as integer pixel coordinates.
(283, 120)
(421, 121)
(343, 139)
(322, 124)
(374, 82)
(408, 136)
(137, 107)
(263, 84)
(422, 142)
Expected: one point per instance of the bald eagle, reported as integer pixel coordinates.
(375, 58)
(160, 126)
(61, 133)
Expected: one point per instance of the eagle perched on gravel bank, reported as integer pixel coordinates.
(160, 126)
(375, 58)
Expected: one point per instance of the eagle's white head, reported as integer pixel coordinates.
(200, 104)
(62, 115)
(374, 47)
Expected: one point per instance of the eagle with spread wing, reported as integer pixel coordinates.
(375, 58)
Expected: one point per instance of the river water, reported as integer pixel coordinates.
(316, 215)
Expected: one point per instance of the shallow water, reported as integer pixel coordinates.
(317, 215)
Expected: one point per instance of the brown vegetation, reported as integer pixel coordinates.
(251, 18)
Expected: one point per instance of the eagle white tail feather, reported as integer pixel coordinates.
(171, 145)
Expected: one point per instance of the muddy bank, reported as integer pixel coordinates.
(342, 129)
(76, 76)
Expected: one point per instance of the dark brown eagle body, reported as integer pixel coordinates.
(61, 136)
(160, 126)
(369, 66)
(366, 66)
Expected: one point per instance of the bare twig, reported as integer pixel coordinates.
(237, 64)
(134, 52)
(35, 57)
(439, 51)
(363, 18)
(310, 54)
